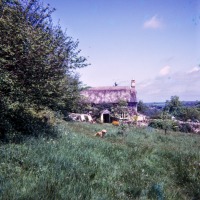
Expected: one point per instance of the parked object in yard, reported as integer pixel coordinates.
(115, 123)
(80, 117)
(101, 133)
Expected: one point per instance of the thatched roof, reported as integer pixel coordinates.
(99, 95)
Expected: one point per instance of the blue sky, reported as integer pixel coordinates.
(155, 42)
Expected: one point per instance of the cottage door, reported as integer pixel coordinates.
(106, 118)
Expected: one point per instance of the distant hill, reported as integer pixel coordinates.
(156, 104)
(162, 104)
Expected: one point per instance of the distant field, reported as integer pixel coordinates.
(141, 164)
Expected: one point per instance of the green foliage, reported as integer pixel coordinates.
(189, 113)
(36, 58)
(37, 62)
(186, 128)
(118, 109)
(198, 104)
(141, 107)
(165, 115)
(122, 128)
(173, 105)
(165, 124)
(17, 121)
(122, 103)
(144, 165)
(153, 113)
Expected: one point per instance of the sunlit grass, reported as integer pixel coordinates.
(143, 163)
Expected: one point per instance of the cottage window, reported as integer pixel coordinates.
(123, 115)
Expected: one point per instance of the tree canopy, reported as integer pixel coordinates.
(173, 106)
(37, 59)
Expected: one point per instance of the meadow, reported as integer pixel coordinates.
(142, 163)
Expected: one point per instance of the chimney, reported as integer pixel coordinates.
(132, 83)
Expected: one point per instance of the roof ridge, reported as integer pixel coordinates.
(109, 87)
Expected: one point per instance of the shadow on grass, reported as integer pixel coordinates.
(15, 127)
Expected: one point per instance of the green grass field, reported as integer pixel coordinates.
(141, 164)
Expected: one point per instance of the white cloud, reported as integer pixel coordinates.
(160, 89)
(165, 71)
(194, 69)
(153, 23)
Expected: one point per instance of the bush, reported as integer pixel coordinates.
(156, 123)
(189, 113)
(17, 121)
(186, 128)
(164, 124)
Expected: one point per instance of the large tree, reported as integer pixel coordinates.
(36, 58)
(37, 62)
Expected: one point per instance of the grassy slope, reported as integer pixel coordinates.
(145, 164)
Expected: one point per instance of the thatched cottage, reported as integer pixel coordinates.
(112, 95)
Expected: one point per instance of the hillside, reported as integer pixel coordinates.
(143, 164)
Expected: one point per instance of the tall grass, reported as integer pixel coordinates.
(141, 164)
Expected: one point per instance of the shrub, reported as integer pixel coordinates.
(17, 121)
(186, 127)
(164, 124)
(156, 123)
(122, 129)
